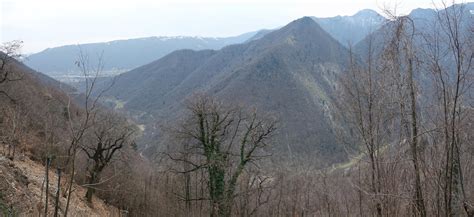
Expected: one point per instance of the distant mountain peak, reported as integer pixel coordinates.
(305, 19)
(301, 28)
(366, 12)
(427, 12)
(422, 13)
(304, 22)
(352, 29)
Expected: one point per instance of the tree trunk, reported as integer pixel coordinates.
(420, 204)
(56, 205)
(217, 185)
(456, 200)
(90, 189)
(47, 187)
(71, 181)
(93, 177)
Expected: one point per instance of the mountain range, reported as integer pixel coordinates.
(289, 72)
(124, 55)
(350, 30)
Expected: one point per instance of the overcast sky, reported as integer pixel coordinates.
(49, 23)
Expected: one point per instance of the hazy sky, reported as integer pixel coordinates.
(49, 23)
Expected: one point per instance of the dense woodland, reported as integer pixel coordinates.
(403, 103)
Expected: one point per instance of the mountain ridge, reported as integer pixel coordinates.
(123, 55)
(288, 72)
(352, 29)
(120, 55)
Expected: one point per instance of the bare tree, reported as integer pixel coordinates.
(110, 134)
(367, 108)
(223, 141)
(81, 119)
(400, 58)
(9, 51)
(450, 63)
(13, 125)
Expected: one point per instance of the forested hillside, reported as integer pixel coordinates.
(285, 122)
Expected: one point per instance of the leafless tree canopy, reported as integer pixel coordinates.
(223, 141)
(9, 52)
(109, 135)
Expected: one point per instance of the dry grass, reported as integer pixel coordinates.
(21, 186)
